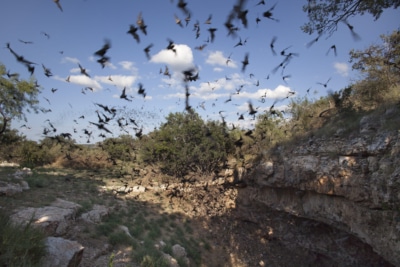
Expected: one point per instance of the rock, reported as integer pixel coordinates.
(62, 253)
(96, 214)
(125, 229)
(8, 164)
(350, 184)
(369, 124)
(54, 219)
(24, 185)
(179, 252)
(172, 262)
(9, 189)
(21, 173)
(138, 189)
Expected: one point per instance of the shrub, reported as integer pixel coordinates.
(186, 143)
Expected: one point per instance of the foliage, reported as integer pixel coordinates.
(16, 97)
(379, 66)
(20, 245)
(324, 15)
(10, 141)
(32, 155)
(308, 114)
(270, 128)
(186, 143)
(120, 148)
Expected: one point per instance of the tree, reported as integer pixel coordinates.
(16, 97)
(120, 148)
(186, 143)
(324, 15)
(379, 66)
(10, 141)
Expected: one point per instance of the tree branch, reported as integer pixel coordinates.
(5, 121)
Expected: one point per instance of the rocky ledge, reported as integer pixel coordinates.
(351, 184)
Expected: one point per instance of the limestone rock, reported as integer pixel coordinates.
(172, 262)
(62, 252)
(179, 252)
(351, 184)
(54, 219)
(138, 189)
(96, 214)
(9, 189)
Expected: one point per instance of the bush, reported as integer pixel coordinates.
(9, 143)
(120, 148)
(186, 143)
(32, 155)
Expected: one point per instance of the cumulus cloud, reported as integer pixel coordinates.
(70, 60)
(85, 81)
(119, 81)
(177, 62)
(128, 65)
(342, 68)
(218, 58)
(280, 91)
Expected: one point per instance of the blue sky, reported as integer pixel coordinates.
(78, 31)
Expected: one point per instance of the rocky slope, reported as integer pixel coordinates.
(323, 201)
(349, 183)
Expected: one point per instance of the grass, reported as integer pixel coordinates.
(20, 245)
(147, 225)
(148, 229)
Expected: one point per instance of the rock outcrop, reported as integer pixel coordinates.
(351, 184)
(62, 252)
(54, 219)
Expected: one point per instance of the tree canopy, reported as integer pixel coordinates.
(379, 65)
(16, 97)
(186, 143)
(324, 15)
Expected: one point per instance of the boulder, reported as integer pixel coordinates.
(62, 253)
(9, 189)
(54, 219)
(96, 214)
(179, 252)
(138, 189)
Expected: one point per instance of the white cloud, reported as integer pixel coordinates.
(128, 65)
(85, 81)
(280, 91)
(218, 58)
(70, 59)
(119, 81)
(177, 62)
(75, 70)
(342, 68)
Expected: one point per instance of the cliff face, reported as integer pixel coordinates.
(352, 183)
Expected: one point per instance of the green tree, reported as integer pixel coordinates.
(16, 97)
(379, 65)
(324, 15)
(120, 148)
(10, 140)
(186, 143)
(270, 128)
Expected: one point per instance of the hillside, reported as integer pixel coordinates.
(325, 201)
